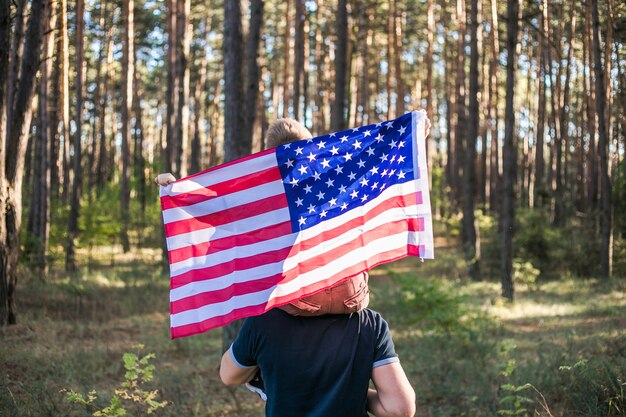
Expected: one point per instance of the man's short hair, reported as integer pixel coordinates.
(284, 131)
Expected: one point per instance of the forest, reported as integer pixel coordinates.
(521, 313)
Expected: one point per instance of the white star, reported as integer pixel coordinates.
(344, 206)
(379, 138)
(334, 150)
(339, 169)
(347, 156)
(364, 198)
(343, 139)
(323, 213)
(361, 163)
(311, 157)
(307, 189)
(374, 170)
(393, 158)
(401, 144)
(402, 130)
(378, 124)
(393, 171)
(375, 185)
(389, 125)
(309, 140)
(383, 158)
(293, 182)
(286, 145)
(367, 133)
(320, 195)
(302, 169)
(330, 182)
(333, 202)
(325, 163)
(352, 176)
(301, 221)
(342, 188)
(370, 151)
(321, 144)
(316, 176)
(384, 173)
(332, 135)
(357, 144)
(311, 208)
(401, 159)
(299, 202)
(364, 182)
(289, 163)
(401, 175)
(393, 143)
(299, 150)
(354, 194)
(356, 129)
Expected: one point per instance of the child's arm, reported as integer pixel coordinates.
(164, 179)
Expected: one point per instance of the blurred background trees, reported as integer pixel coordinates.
(527, 101)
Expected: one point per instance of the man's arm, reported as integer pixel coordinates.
(393, 396)
(233, 373)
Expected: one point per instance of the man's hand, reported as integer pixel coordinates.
(164, 179)
(427, 128)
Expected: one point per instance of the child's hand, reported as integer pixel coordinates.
(164, 179)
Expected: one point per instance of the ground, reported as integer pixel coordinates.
(465, 351)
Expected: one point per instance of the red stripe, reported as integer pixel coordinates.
(233, 162)
(221, 189)
(229, 215)
(276, 256)
(217, 245)
(214, 322)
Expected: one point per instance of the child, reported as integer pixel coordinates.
(345, 297)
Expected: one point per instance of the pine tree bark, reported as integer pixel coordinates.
(64, 101)
(509, 156)
(5, 33)
(338, 118)
(298, 70)
(540, 192)
(494, 165)
(470, 238)
(605, 183)
(128, 70)
(77, 177)
(252, 67)
(15, 145)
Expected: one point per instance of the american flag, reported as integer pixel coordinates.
(267, 229)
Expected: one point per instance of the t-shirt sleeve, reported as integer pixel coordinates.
(243, 349)
(385, 352)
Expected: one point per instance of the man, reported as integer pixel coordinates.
(321, 366)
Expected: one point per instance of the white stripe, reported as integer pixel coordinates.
(223, 202)
(220, 174)
(228, 255)
(219, 309)
(199, 287)
(230, 229)
(397, 213)
(425, 236)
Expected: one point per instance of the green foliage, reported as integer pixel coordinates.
(595, 387)
(138, 373)
(514, 397)
(525, 273)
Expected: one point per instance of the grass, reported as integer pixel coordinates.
(462, 347)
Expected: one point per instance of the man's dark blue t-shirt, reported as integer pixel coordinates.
(315, 366)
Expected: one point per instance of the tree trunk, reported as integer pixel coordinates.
(494, 165)
(510, 158)
(72, 228)
(236, 144)
(540, 192)
(605, 183)
(15, 145)
(338, 120)
(183, 28)
(128, 71)
(64, 101)
(5, 33)
(298, 69)
(252, 67)
(397, 60)
(470, 238)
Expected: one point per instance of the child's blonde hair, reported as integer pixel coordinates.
(285, 130)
